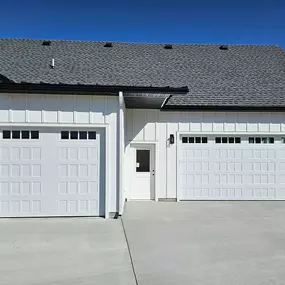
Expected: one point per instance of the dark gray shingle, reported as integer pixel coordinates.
(243, 75)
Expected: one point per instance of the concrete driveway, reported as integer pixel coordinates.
(207, 242)
(64, 251)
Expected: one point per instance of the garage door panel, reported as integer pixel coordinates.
(77, 207)
(78, 188)
(281, 192)
(21, 174)
(247, 168)
(50, 176)
(78, 173)
(78, 177)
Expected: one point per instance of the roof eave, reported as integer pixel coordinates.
(84, 89)
(224, 108)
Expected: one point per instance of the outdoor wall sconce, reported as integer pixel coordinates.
(171, 139)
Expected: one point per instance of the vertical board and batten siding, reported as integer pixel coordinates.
(66, 109)
(154, 125)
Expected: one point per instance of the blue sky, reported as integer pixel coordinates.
(176, 21)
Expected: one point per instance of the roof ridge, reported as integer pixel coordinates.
(140, 43)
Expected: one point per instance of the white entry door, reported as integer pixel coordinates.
(143, 173)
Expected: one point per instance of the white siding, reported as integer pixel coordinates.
(66, 109)
(155, 125)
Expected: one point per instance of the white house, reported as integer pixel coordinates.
(85, 126)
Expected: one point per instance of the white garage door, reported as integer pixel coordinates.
(49, 172)
(231, 168)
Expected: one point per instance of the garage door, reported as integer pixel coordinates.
(231, 168)
(49, 172)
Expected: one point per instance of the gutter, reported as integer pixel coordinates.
(84, 89)
(224, 108)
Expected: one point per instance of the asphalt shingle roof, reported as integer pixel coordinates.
(243, 75)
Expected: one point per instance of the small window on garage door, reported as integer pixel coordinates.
(194, 140)
(20, 135)
(78, 135)
(261, 140)
(227, 140)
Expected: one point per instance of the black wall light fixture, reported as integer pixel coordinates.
(171, 139)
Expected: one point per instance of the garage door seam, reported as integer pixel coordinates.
(129, 251)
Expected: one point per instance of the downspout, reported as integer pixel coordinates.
(121, 152)
(166, 157)
(165, 101)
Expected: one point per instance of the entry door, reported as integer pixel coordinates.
(143, 173)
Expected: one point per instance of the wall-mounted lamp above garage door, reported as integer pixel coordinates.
(171, 139)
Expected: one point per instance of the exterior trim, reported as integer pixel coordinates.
(177, 165)
(56, 125)
(228, 133)
(121, 136)
(107, 169)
